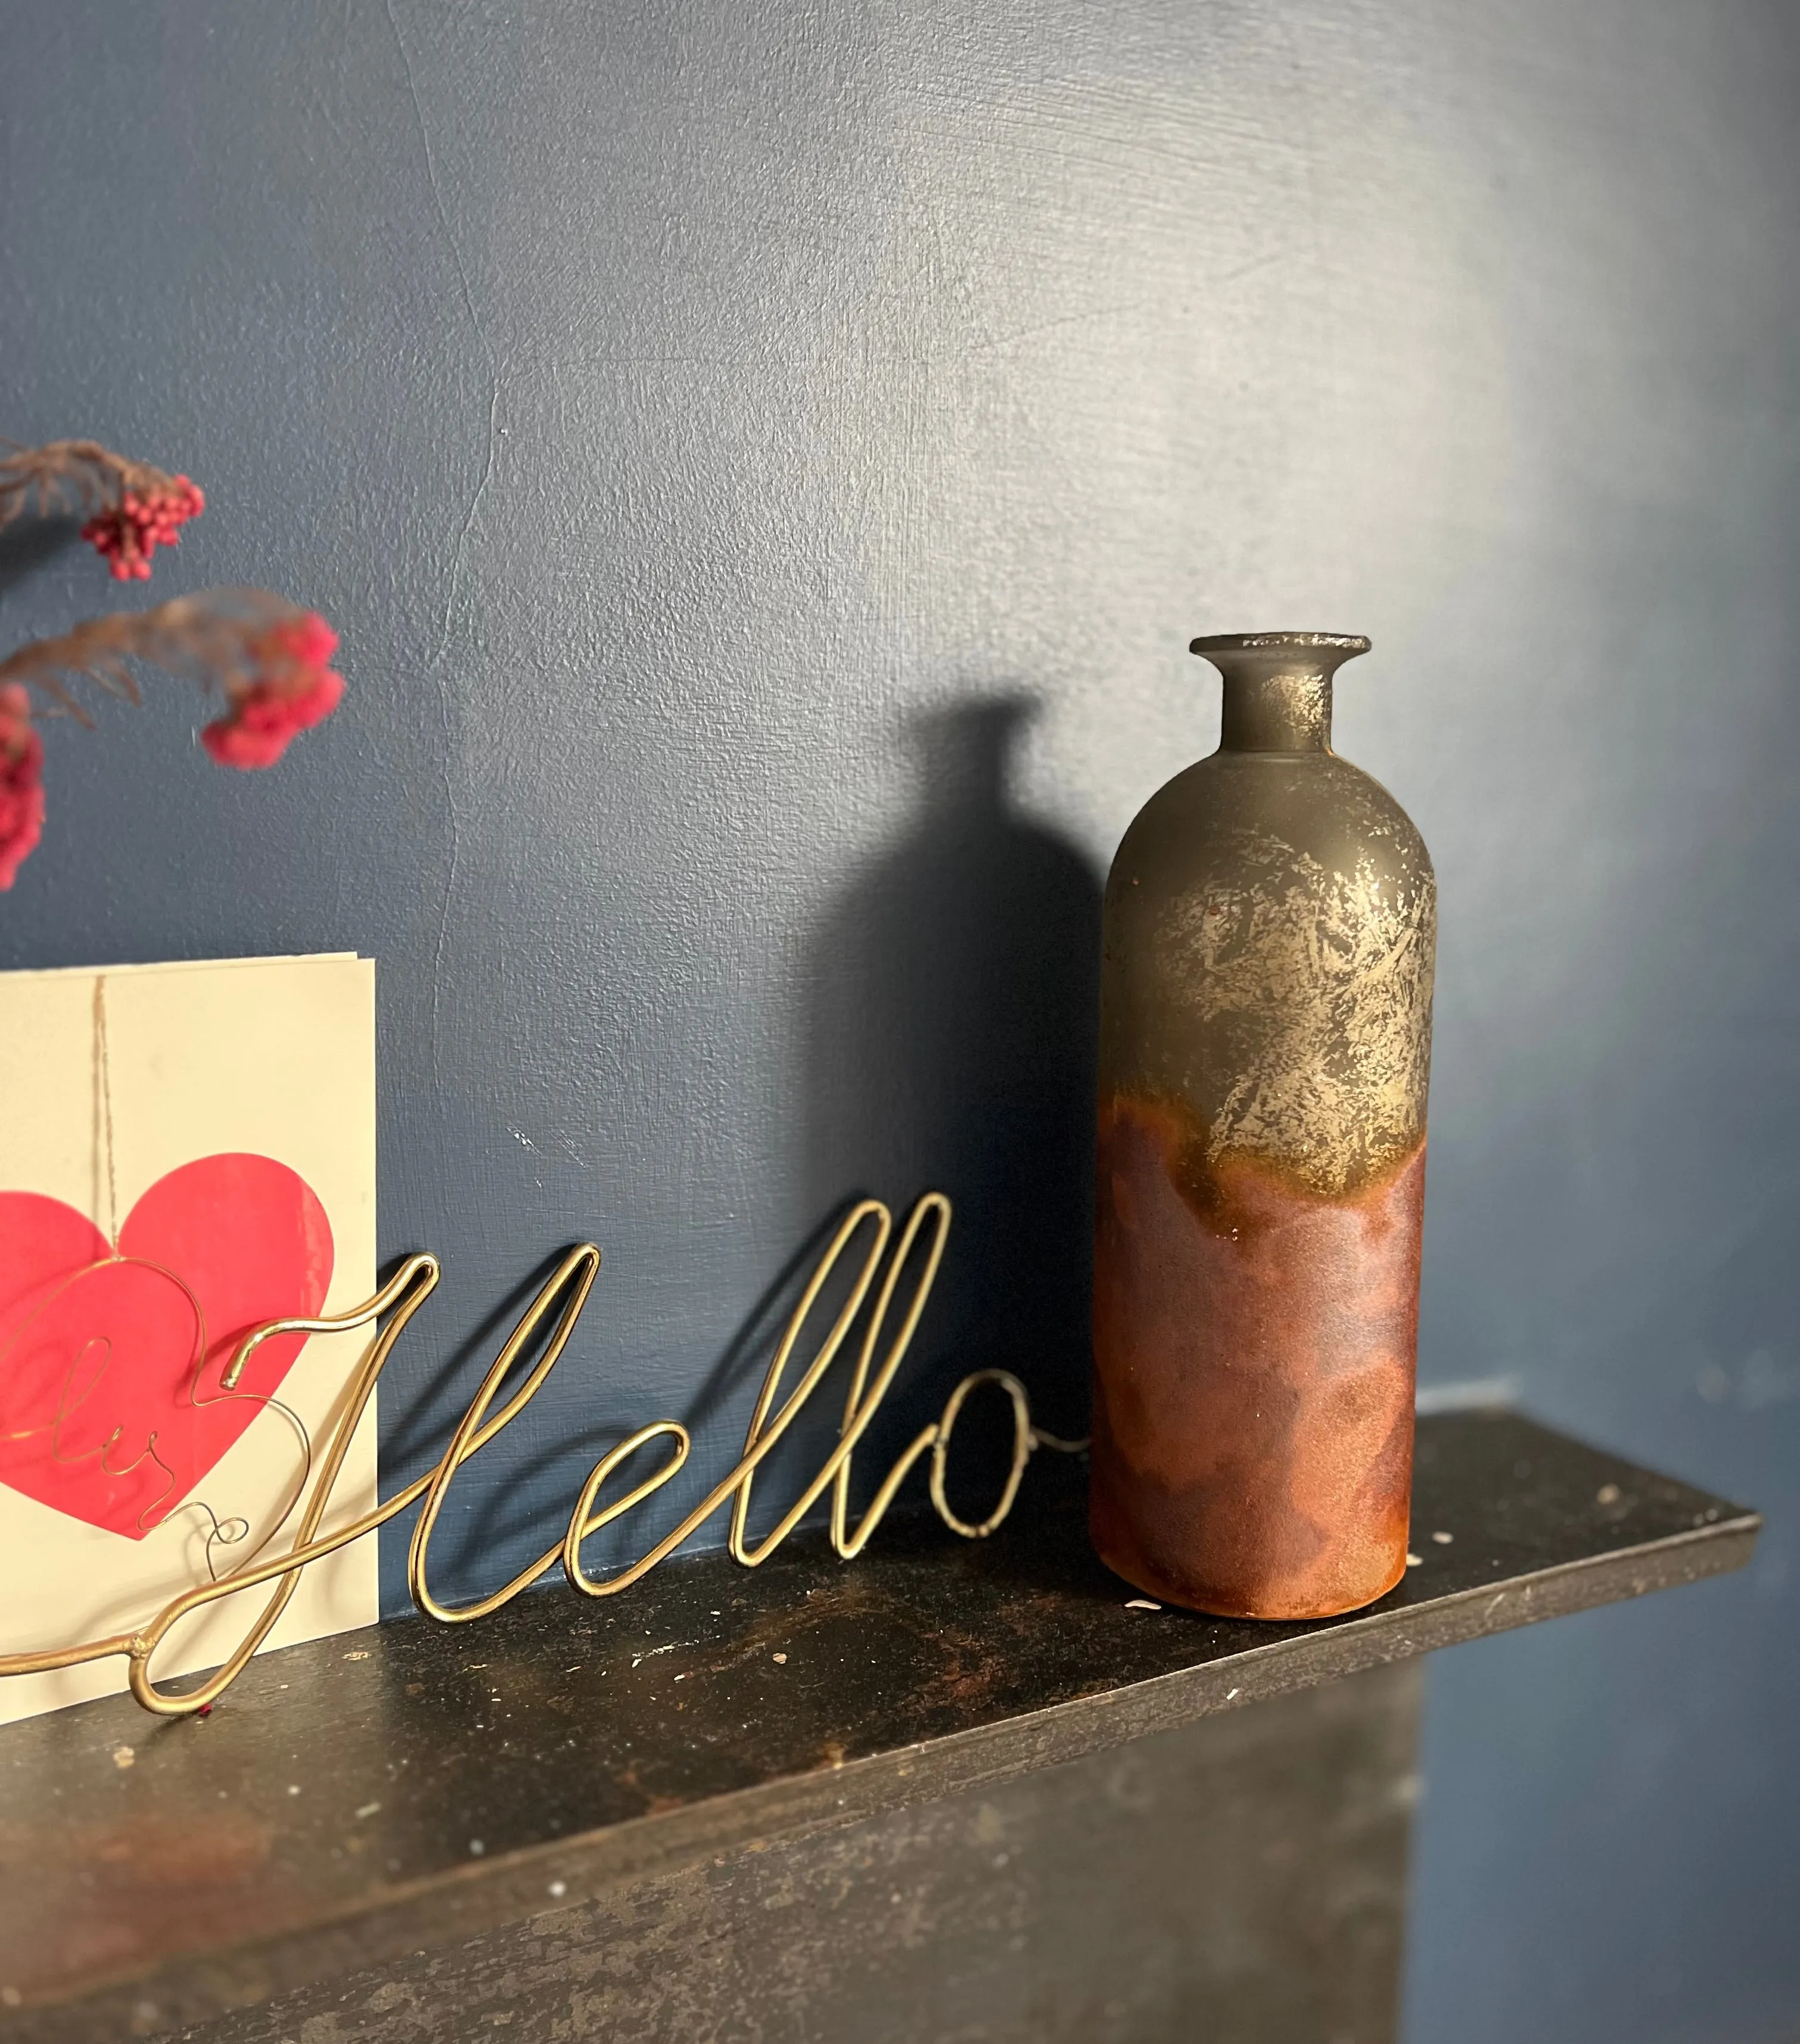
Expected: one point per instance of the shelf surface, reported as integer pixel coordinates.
(410, 1786)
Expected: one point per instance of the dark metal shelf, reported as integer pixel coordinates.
(411, 1786)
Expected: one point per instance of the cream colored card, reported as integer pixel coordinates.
(186, 1151)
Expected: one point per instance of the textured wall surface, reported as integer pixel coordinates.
(766, 463)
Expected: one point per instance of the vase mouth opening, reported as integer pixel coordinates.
(1343, 645)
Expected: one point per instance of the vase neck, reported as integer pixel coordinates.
(1281, 713)
(1278, 688)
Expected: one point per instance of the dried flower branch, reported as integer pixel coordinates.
(268, 657)
(131, 507)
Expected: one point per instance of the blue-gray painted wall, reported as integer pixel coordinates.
(765, 462)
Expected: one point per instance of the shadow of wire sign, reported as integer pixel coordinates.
(685, 412)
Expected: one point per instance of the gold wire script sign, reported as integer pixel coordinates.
(560, 1303)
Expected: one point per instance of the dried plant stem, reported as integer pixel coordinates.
(215, 639)
(76, 476)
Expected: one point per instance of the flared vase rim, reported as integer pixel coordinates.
(1346, 645)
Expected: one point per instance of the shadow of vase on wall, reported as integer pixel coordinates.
(951, 997)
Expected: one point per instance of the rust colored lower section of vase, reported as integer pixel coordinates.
(1255, 1346)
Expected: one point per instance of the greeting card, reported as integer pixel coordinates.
(185, 1152)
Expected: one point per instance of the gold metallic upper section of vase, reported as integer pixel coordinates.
(1271, 923)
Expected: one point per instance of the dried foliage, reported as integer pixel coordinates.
(224, 638)
(267, 657)
(131, 508)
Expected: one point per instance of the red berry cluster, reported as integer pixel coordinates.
(289, 690)
(21, 782)
(128, 534)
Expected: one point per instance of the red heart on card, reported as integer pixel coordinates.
(111, 1407)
